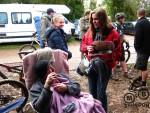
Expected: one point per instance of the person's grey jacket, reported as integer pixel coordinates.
(40, 96)
(45, 23)
(84, 25)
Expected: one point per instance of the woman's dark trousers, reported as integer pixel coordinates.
(98, 77)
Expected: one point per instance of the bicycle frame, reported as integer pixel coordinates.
(34, 39)
(14, 69)
(29, 48)
(126, 50)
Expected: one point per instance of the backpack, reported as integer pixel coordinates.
(119, 28)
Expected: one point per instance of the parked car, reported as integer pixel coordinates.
(77, 28)
(69, 28)
(129, 27)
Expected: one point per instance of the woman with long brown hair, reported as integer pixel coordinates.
(101, 63)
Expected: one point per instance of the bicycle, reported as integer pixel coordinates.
(13, 96)
(28, 48)
(13, 68)
(126, 50)
(13, 93)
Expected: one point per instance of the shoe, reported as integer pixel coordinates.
(142, 88)
(126, 75)
(137, 86)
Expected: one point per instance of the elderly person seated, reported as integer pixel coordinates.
(56, 93)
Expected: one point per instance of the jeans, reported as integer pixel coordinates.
(98, 77)
(42, 45)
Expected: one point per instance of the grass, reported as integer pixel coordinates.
(6, 46)
(72, 40)
(10, 46)
(14, 45)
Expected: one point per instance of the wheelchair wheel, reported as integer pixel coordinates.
(127, 55)
(26, 49)
(13, 96)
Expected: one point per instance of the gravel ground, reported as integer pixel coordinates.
(116, 89)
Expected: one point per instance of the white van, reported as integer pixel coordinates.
(16, 20)
(69, 28)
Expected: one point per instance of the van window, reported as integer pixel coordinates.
(21, 18)
(3, 18)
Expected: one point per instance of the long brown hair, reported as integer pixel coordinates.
(104, 21)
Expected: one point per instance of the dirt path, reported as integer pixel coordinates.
(116, 89)
(8, 56)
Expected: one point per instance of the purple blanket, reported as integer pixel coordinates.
(84, 103)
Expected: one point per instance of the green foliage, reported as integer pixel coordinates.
(114, 6)
(14, 1)
(92, 5)
(129, 7)
(52, 1)
(147, 11)
(76, 7)
(130, 10)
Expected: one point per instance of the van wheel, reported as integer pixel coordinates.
(26, 49)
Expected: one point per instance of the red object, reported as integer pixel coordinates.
(110, 58)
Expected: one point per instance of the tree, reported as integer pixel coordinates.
(92, 4)
(129, 7)
(76, 7)
(114, 6)
(14, 1)
(51, 1)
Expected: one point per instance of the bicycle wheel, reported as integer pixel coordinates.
(126, 45)
(3, 76)
(127, 55)
(13, 96)
(25, 49)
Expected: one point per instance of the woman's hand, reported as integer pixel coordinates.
(60, 87)
(50, 78)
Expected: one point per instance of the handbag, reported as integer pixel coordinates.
(82, 68)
